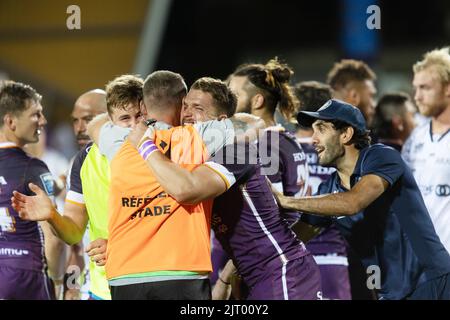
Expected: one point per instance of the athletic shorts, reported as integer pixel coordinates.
(197, 289)
(18, 284)
(299, 279)
(335, 282)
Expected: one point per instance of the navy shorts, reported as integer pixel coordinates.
(17, 284)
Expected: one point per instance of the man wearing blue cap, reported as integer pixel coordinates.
(376, 204)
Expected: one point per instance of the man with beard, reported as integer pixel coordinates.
(329, 247)
(377, 205)
(427, 151)
(273, 262)
(23, 244)
(87, 106)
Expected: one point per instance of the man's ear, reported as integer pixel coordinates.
(142, 108)
(257, 101)
(10, 122)
(353, 97)
(447, 90)
(222, 117)
(397, 123)
(347, 135)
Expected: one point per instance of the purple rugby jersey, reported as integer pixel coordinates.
(247, 223)
(21, 242)
(291, 176)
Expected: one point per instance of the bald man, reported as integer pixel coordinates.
(87, 106)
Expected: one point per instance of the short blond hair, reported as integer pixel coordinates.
(123, 90)
(439, 59)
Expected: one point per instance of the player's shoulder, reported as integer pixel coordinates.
(36, 164)
(382, 150)
(421, 132)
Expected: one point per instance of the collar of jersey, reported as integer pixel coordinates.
(8, 145)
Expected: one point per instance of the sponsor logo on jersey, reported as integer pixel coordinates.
(319, 170)
(299, 156)
(47, 182)
(218, 225)
(442, 190)
(13, 252)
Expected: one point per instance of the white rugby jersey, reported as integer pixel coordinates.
(429, 158)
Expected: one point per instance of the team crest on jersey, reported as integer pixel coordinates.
(3, 181)
(47, 182)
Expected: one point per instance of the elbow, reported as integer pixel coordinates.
(186, 198)
(185, 195)
(71, 242)
(74, 239)
(353, 208)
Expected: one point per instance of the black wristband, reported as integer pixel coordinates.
(150, 122)
(226, 283)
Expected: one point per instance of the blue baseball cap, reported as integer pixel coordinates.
(334, 110)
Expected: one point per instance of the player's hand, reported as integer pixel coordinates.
(96, 250)
(72, 294)
(137, 134)
(35, 208)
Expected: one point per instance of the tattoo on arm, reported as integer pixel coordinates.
(239, 126)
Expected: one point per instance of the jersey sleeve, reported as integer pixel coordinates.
(234, 162)
(215, 134)
(111, 139)
(384, 162)
(74, 187)
(38, 174)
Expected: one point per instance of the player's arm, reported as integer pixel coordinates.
(94, 126)
(222, 288)
(74, 269)
(55, 251)
(247, 126)
(367, 190)
(69, 227)
(40, 207)
(188, 187)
